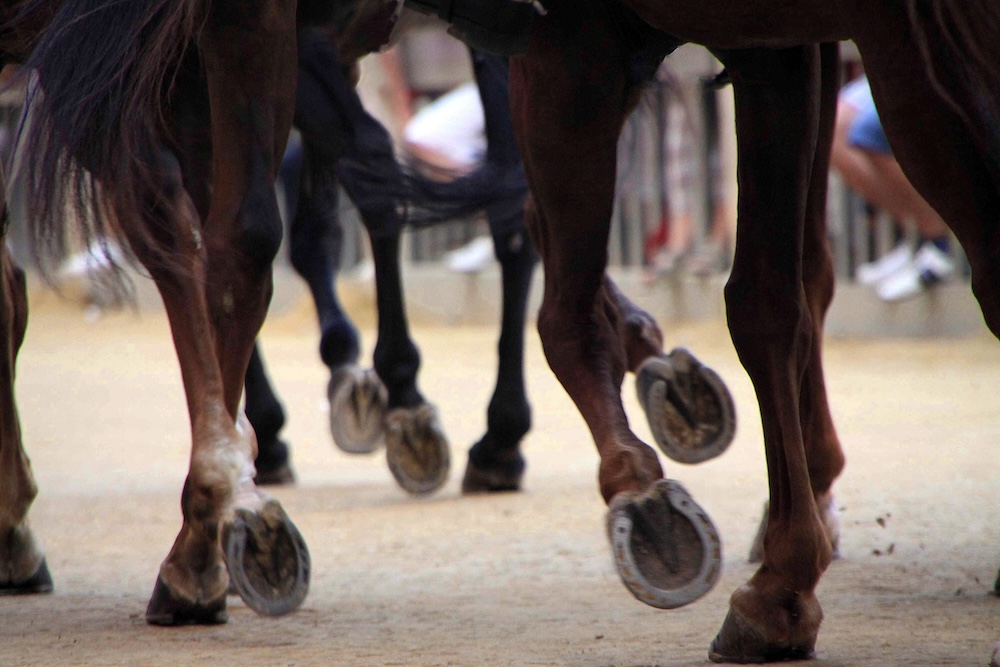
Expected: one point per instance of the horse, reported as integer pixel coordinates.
(161, 123)
(934, 74)
(343, 143)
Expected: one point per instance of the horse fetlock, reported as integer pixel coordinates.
(628, 469)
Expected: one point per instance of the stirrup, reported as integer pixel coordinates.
(501, 27)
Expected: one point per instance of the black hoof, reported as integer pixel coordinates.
(738, 642)
(267, 558)
(666, 549)
(496, 478)
(167, 609)
(689, 410)
(39, 582)
(416, 449)
(358, 403)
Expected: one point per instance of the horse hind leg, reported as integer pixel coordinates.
(22, 563)
(215, 291)
(267, 417)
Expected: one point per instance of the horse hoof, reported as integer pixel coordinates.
(498, 478)
(739, 642)
(267, 558)
(39, 582)
(165, 608)
(665, 547)
(358, 403)
(416, 449)
(689, 410)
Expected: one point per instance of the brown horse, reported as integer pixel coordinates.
(934, 71)
(161, 122)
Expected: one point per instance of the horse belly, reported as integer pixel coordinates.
(734, 24)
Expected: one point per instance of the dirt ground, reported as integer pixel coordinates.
(517, 579)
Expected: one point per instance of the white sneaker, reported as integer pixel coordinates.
(901, 285)
(934, 265)
(473, 257)
(875, 272)
(930, 266)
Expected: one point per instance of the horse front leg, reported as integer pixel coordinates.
(776, 615)
(495, 461)
(824, 454)
(417, 449)
(22, 563)
(570, 95)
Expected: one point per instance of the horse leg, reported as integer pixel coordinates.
(416, 447)
(824, 454)
(356, 395)
(22, 563)
(776, 616)
(216, 298)
(267, 417)
(326, 112)
(495, 461)
(570, 95)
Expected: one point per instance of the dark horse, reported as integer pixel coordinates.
(162, 122)
(935, 72)
(342, 142)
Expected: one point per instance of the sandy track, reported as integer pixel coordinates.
(518, 579)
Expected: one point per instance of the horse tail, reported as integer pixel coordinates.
(961, 37)
(419, 201)
(490, 187)
(101, 74)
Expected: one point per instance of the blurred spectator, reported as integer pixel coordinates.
(862, 156)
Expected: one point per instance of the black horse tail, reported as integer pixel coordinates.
(961, 37)
(407, 196)
(101, 75)
(499, 190)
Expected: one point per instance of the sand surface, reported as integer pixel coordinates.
(517, 579)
